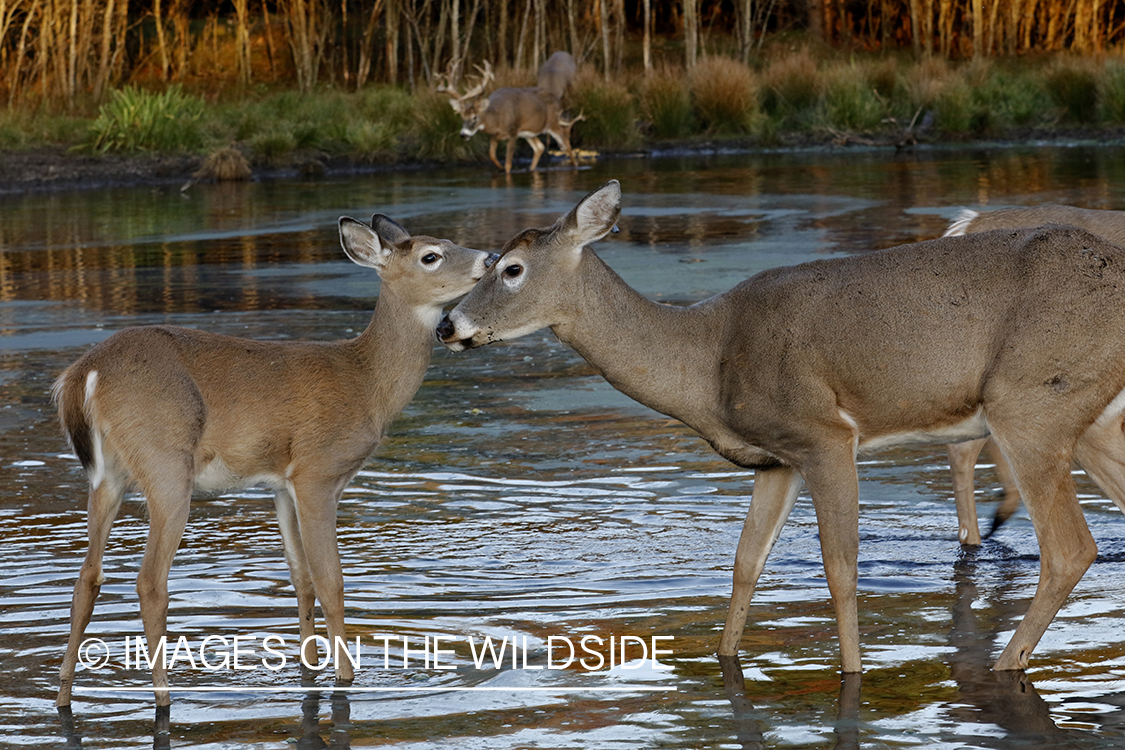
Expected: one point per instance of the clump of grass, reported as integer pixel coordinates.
(225, 165)
(274, 147)
(882, 77)
(138, 120)
(791, 85)
(435, 130)
(610, 110)
(849, 103)
(725, 95)
(666, 104)
(925, 82)
(371, 140)
(1111, 93)
(953, 109)
(1072, 84)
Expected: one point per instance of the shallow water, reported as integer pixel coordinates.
(521, 497)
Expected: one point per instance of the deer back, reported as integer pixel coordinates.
(1108, 224)
(557, 73)
(512, 111)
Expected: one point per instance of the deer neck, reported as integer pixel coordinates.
(399, 340)
(657, 354)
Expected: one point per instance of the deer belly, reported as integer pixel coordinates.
(972, 428)
(217, 476)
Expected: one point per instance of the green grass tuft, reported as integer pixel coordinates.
(138, 120)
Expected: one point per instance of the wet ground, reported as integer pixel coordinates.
(521, 498)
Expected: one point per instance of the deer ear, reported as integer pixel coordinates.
(456, 105)
(389, 231)
(482, 106)
(595, 216)
(362, 245)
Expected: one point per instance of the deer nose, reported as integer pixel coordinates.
(490, 261)
(445, 328)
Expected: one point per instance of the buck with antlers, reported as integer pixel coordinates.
(171, 410)
(795, 371)
(963, 456)
(511, 113)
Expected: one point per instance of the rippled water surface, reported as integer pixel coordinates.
(521, 498)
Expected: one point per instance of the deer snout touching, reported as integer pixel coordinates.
(454, 339)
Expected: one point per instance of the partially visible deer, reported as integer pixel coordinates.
(963, 456)
(171, 410)
(557, 74)
(795, 371)
(510, 113)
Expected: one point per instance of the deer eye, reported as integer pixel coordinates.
(513, 270)
(430, 258)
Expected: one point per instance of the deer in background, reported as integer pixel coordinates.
(511, 113)
(171, 410)
(796, 371)
(963, 456)
(557, 74)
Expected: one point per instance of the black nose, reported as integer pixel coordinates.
(445, 328)
(490, 261)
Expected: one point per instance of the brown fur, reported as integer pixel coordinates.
(1020, 333)
(177, 409)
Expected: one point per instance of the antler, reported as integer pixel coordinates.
(445, 83)
(485, 77)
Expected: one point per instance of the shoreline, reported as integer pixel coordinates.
(56, 168)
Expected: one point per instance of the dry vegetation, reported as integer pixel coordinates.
(287, 81)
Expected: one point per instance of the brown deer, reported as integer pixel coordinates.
(511, 113)
(963, 456)
(1015, 333)
(172, 410)
(557, 74)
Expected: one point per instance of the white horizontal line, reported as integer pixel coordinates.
(404, 689)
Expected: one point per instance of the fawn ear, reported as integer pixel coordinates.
(389, 231)
(362, 245)
(595, 216)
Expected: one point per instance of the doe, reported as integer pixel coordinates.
(963, 456)
(172, 410)
(1015, 333)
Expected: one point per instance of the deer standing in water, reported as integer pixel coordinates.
(511, 113)
(171, 410)
(796, 371)
(963, 456)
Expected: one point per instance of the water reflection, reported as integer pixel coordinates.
(520, 495)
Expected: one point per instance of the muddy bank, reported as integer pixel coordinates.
(58, 168)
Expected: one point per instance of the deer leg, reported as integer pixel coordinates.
(834, 485)
(775, 492)
(102, 507)
(537, 149)
(1011, 502)
(1101, 453)
(1066, 548)
(316, 514)
(509, 152)
(564, 144)
(298, 569)
(168, 508)
(962, 462)
(492, 155)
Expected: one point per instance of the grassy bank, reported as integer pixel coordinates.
(799, 96)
